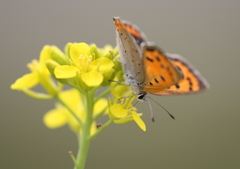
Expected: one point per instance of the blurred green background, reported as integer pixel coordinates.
(206, 132)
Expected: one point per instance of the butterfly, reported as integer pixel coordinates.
(147, 69)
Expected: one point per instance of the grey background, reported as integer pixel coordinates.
(206, 132)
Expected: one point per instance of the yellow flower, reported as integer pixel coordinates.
(124, 112)
(39, 75)
(87, 70)
(60, 116)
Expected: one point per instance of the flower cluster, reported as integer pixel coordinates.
(85, 68)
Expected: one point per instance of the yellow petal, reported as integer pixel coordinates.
(92, 78)
(26, 81)
(110, 115)
(139, 121)
(119, 90)
(65, 71)
(100, 106)
(124, 120)
(118, 111)
(102, 63)
(93, 128)
(77, 50)
(44, 56)
(55, 118)
(72, 98)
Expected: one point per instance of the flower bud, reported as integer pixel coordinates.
(51, 65)
(94, 52)
(117, 64)
(120, 76)
(58, 56)
(67, 49)
(108, 74)
(109, 55)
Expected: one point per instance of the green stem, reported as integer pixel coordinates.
(101, 129)
(103, 94)
(84, 141)
(76, 87)
(70, 110)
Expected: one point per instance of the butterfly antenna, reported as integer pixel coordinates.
(152, 116)
(162, 107)
(135, 103)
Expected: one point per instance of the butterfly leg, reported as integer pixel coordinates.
(127, 97)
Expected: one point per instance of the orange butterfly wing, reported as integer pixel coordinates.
(160, 72)
(138, 35)
(186, 80)
(192, 82)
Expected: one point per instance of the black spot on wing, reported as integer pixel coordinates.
(158, 59)
(177, 86)
(155, 79)
(190, 83)
(163, 79)
(149, 59)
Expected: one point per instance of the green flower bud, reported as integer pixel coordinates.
(115, 51)
(117, 65)
(119, 75)
(94, 52)
(108, 74)
(51, 65)
(58, 56)
(67, 49)
(109, 55)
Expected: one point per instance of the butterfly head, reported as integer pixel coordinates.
(142, 96)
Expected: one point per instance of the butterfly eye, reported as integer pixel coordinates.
(142, 96)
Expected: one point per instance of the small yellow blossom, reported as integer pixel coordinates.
(83, 63)
(60, 116)
(39, 75)
(124, 113)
